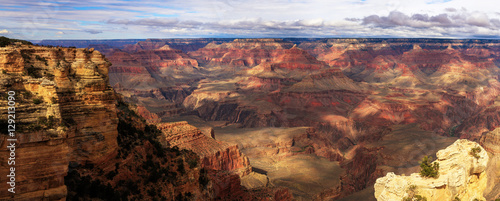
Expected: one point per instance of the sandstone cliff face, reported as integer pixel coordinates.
(252, 52)
(65, 112)
(214, 155)
(461, 175)
(491, 141)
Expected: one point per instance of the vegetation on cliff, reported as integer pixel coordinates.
(428, 169)
(4, 41)
(412, 195)
(142, 169)
(474, 152)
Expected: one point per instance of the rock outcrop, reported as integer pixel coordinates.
(461, 175)
(64, 113)
(214, 154)
(491, 141)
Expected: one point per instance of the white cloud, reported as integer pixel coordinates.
(5, 31)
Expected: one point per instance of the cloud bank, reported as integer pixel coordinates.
(30, 19)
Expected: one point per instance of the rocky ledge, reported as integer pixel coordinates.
(214, 155)
(462, 175)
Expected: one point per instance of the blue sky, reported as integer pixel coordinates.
(121, 19)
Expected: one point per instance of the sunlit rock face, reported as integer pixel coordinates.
(65, 111)
(214, 154)
(491, 143)
(461, 175)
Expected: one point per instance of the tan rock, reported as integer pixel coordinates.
(460, 175)
(72, 89)
(491, 141)
(255, 180)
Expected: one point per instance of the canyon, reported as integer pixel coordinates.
(360, 99)
(77, 139)
(250, 119)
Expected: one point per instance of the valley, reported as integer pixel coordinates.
(351, 98)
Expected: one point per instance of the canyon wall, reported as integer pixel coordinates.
(214, 154)
(64, 113)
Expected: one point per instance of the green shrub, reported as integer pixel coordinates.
(38, 57)
(193, 162)
(37, 101)
(180, 166)
(412, 195)
(420, 198)
(203, 179)
(474, 152)
(33, 72)
(50, 76)
(27, 94)
(26, 56)
(68, 121)
(47, 122)
(427, 169)
(4, 41)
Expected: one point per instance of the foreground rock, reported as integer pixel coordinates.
(64, 113)
(461, 175)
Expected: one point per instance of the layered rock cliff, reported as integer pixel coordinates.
(462, 175)
(241, 52)
(154, 76)
(491, 143)
(214, 154)
(65, 112)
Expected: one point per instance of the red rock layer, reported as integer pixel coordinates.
(214, 155)
(252, 52)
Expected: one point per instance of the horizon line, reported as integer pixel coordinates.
(433, 38)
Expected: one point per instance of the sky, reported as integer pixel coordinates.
(131, 19)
